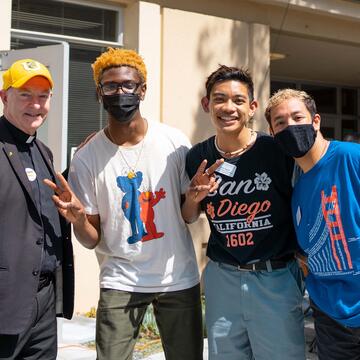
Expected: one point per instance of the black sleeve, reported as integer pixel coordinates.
(65, 173)
(193, 160)
(284, 166)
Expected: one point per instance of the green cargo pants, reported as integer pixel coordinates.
(177, 313)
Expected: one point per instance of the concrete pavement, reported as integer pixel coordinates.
(73, 335)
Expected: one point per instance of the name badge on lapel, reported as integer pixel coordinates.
(31, 174)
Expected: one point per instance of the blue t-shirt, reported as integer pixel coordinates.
(326, 213)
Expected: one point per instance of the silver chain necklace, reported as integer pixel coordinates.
(132, 169)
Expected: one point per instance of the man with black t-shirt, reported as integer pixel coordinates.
(253, 285)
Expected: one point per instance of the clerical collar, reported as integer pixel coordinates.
(19, 135)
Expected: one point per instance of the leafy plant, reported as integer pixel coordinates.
(149, 327)
(91, 313)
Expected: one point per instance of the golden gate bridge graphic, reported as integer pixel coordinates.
(332, 216)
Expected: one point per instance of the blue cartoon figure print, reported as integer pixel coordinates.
(130, 204)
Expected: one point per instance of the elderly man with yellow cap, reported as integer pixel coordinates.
(36, 262)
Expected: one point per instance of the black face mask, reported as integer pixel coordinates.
(296, 140)
(121, 106)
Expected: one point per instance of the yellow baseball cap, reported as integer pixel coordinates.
(22, 71)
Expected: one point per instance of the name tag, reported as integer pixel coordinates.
(226, 169)
(31, 174)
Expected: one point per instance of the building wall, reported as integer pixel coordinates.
(86, 278)
(182, 42)
(181, 48)
(331, 19)
(142, 29)
(190, 53)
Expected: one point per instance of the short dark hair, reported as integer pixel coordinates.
(224, 73)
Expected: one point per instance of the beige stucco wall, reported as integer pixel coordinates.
(181, 48)
(142, 32)
(193, 46)
(330, 19)
(86, 278)
(182, 41)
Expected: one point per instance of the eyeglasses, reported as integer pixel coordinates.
(112, 88)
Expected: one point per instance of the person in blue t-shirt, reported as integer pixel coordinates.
(326, 214)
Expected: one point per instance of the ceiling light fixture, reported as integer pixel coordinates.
(277, 56)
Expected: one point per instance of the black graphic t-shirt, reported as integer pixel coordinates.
(250, 213)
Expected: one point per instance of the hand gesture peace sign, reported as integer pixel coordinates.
(204, 181)
(66, 202)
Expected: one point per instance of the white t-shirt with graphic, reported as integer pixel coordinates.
(145, 245)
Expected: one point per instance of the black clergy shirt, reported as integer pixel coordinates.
(36, 171)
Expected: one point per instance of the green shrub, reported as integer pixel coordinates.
(91, 313)
(149, 327)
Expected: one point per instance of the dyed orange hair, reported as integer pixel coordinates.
(115, 58)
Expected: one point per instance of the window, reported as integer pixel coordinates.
(349, 126)
(339, 106)
(325, 97)
(278, 85)
(65, 19)
(85, 114)
(349, 101)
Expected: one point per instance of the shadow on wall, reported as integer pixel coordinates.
(214, 49)
(231, 43)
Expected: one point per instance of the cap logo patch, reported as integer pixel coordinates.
(31, 65)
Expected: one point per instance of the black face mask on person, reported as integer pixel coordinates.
(121, 106)
(296, 140)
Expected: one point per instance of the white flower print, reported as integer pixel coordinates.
(262, 181)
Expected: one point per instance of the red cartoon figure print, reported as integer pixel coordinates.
(147, 201)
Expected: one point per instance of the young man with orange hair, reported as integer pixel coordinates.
(130, 178)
